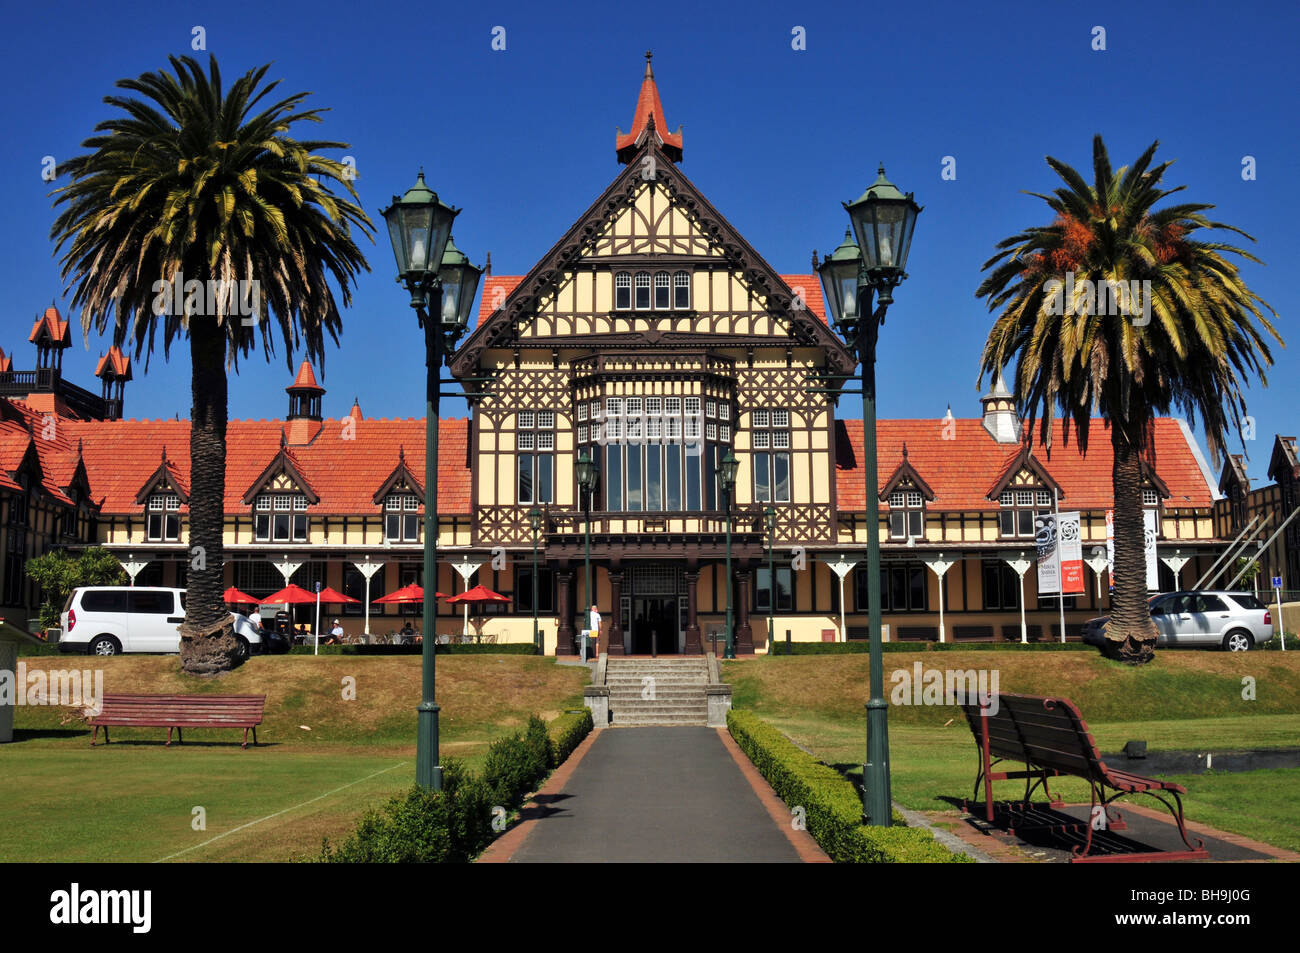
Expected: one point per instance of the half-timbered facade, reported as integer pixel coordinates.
(654, 339)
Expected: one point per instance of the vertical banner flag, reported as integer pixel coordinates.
(1070, 547)
(1149, 540)
(1045, 536)
(1110, 547)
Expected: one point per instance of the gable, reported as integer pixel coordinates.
(569, 293)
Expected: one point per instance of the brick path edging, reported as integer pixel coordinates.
(503, 848)
(810, 852)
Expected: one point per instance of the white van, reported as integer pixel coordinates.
(109, 620)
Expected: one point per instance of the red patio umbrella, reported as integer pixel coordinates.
(233, 595)
(478, 594)
(292, 594)
(333, 595)
(408, 593)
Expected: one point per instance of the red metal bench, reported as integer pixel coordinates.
(179, 712)
(1050, 737)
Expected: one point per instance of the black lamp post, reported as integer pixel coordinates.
(769, 517)
(535, 520)
(883, 220)
(585, 470)
(442, 284)
(727, 474)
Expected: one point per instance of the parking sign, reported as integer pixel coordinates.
(1277, 582)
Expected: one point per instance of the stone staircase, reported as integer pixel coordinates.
(675, 696)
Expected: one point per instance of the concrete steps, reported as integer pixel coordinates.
(657, 691)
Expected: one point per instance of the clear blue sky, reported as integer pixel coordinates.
(776, 138)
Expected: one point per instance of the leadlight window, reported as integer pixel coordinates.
(663, 291)
(280, 518)
(623, 291)
(643, 291)
(1151, 501)
(535, 457)
(1019, 509)
(401, 518)
(163, 517)
(770, 439)
(682, 291)
(906, 514)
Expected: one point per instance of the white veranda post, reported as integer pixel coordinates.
(1021, 565)
(841, 567)
(134, 566)
(1098, 562)
(466, 567)
(368, 569)
(1176, 562)
(287, 569)
(940, 565)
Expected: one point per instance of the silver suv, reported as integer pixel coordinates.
(1236, 621)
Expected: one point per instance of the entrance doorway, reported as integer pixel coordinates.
(654, 625)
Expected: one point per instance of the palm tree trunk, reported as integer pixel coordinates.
(207, 636)
(1130, 635)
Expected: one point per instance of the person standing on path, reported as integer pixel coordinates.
(593, 626)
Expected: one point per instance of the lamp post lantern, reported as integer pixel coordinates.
(883, 219)
(442, 284)
(769, 518)
(727, 474)
(535, 521)
(585, 470)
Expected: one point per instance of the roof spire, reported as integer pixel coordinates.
(648, 120)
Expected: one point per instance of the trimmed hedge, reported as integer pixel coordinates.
(863, 647)
(455, 648)
(834, 809)
(455, 824)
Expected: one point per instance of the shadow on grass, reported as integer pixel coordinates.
(35, 734)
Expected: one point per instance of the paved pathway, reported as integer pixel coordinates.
(646, 795)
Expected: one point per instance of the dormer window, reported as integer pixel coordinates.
(906, 514)
(1151, 501)
(163, 518)
(402, 518)
(1019, 509)
(623, 291)
(280, 518)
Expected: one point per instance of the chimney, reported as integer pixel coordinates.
(1000, 418)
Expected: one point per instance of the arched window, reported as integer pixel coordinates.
(623, 291)
(682, 291)
(643, 291)
(663, 292)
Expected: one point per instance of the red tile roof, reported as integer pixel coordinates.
(306, 379)
(6, 362)
(963, 470)
(496, 288)
(115, 363)
(343, 470)
(54, 326)
(648, 106)
(808, 287)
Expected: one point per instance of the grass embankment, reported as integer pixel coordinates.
(1182, 701)
(134, 800)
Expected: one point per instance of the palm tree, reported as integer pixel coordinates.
(1189, 342)
(191, 184)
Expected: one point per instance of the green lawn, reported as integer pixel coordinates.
(1182, 701)
(134, 800)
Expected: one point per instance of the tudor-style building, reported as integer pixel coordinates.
(655, 339)
(1261, 512)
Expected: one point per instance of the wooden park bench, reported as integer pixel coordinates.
(179, 712)
(1051, 739)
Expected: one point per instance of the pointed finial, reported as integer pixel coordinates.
(487, 269)
(814, 260)
(401, 454)
(649, 70)
(904, 449)
(284, 438)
